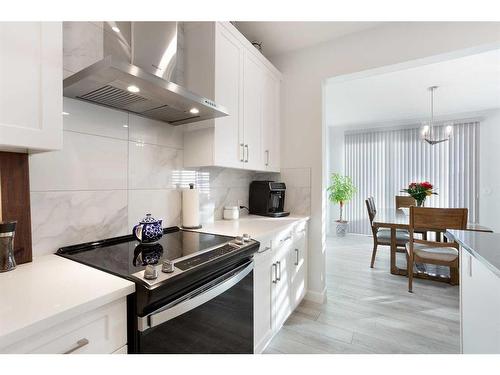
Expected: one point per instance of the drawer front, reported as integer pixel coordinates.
(284, 237)
(103, 330)
(300, 229)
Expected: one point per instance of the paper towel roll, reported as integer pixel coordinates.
(190, 208)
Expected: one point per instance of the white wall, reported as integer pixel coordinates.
(489, 172)
(303, 134)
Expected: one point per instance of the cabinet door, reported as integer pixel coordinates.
(271, 122)
(252, 113)
(282, 306)
(263, 285)
(480, 307)
(298, 270)
(31, 75)
(228, 91)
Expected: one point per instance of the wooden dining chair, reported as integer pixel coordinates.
(431, 252)
(405, 201)
(382, 236)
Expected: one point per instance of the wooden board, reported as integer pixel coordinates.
(15, 201)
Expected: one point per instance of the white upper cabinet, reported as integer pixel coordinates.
(253, 88)
(222, 65)
(31, 77)
(229, 85)
(271, 122)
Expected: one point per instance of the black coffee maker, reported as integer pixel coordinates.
(267, 198)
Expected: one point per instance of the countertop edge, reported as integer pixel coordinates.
(247, 220)
(473, 252)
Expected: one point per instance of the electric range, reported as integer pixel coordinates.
(194, 291)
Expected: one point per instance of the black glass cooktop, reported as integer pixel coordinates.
(127, 256)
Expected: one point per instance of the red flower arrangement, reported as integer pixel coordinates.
(420, 191)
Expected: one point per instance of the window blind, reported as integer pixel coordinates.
(381, 163)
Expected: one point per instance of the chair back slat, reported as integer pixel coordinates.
(405, 201)
(437, 219)
(371, 214)
(371, 201)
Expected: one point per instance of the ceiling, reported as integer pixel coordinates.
(281, 37)
(466, 84)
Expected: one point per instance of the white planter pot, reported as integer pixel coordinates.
(341, 228)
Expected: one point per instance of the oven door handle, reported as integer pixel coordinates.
(194, 299)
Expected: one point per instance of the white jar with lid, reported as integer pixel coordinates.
(231, 213)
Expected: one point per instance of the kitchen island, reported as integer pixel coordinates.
(479, 290)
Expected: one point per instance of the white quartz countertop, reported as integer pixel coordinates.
(255, 226)
(50, 290)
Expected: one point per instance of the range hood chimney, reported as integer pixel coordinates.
(136, 76)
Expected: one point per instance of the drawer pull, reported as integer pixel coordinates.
(286, 239)
(275, 269)
(264, 249)
(297, 257)
(79, 344)
(470, 266)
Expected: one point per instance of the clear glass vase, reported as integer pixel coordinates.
(7, 232)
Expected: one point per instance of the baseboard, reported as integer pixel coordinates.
(317, 297)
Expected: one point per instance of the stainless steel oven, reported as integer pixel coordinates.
(216, 317)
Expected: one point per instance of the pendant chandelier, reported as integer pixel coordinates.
(429, 131)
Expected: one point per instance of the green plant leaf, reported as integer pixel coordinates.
(341, 189)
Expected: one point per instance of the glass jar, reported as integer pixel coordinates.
(7, 231)
(231, 213)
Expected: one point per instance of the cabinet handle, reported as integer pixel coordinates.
(248, 153)
(286, 239)
(470, 266)
(264, 249)
(242, 152)
(297, 257)
(279, 272)
(267, 158)
(79, 344)
(275, 268)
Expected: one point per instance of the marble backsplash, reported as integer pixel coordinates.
(115, 167)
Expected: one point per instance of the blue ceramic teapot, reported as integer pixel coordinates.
(148, 230)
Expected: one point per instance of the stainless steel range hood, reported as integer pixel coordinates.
(145, 88)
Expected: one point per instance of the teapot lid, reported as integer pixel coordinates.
(148, 219)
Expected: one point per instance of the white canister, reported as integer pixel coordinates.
(231, 213)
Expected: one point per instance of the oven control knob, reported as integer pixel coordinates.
(150, 273)
(167, 266)
(239, 240)
(246, 237)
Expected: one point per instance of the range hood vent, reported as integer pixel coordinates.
(115, 83)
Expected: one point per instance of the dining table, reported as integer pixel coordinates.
(394, 219)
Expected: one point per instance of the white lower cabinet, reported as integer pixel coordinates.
(298, 271)
(480, 307)
(263, 318)
(282, 304)
(280, 277)
(101, 331)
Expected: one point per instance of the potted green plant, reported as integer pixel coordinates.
(341, 190)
